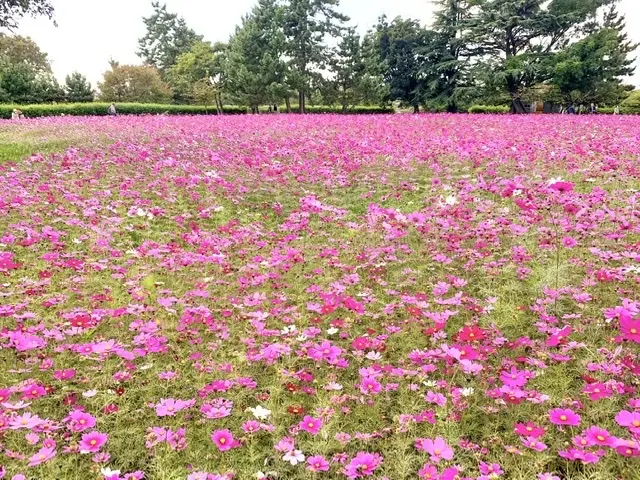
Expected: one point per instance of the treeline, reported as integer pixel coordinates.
(300, 53)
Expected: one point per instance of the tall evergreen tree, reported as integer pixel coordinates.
(448, 56)
(402, 45)
(166, 38)
(591, 69)
(77, 88)
(348, 68)
(306, 25)
(255, 71)
(519, 35)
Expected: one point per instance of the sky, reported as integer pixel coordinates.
(90, 32)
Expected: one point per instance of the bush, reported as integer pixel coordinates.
(357, 110)
(489, 109)
(631, 104)
(90, 109)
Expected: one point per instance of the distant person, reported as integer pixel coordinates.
(17, 114)
(572, 109)
(112, 110)
(275, 108)
(616, 111)
(593, 108)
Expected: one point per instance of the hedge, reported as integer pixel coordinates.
(356, 110)
(91, 109)
(75, 109)
(489, 109)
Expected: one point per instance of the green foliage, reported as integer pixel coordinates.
(519, 37)
(91, 109)
(18, 50)
(78, 89)
(256, 72)
(11, 11)
(306, 25)
(166, 38)
(401, 45)
(202, 62)
(134, 83)
(631, 104)
(488, 109)
(590, 69)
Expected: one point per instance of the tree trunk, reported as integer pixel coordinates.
(300, 102)
(416, 109)
(287, 102)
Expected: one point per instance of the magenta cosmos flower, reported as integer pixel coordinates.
(438, 448)
(317, 463)
(80, 421)
(224, 440)
(599, 436)
(92, 442)
(560, 416)
(628, 419)
(362, 465)
(310, 424)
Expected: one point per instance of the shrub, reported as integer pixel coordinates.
(632, 103)
(489, 109)
(90, 109)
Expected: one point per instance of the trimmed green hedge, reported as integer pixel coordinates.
(91, 109)
(75, 109)
(489, 109)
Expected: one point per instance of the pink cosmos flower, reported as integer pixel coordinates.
(534, 444)
(599, 436)
(529, 429)
(362, 465)
(630, 327)
(43, 455)
(27, 421)
(317, 463)
(490, 469)
(80, 421)
(250, 426)
(559, 416)
(630, 420)
(310, 424)
(370, 386)
(169, 407)
(437, 448)
(92, 442)
(547, 476)
(224, 440)
(428, 472)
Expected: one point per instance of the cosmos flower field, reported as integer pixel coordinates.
(287, 297)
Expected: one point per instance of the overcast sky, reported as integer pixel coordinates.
(90, 32)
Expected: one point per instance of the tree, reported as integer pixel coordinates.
(25, 72)
(348, 67)
(591, 70)
(134, 83)
(201, 62)
(255, 71)
(519, 35)
(449, 59)
(78, 89)
(13, 10)
(401, 45)
(15, 49)
(167, 37)
(306, 24)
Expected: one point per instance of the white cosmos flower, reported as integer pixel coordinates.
(467, 392)
(332, 331)
(107, 472)
(294, 457)
(260, 412)
(374, 356)
(89, 393)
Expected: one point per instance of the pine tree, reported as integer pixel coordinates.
(78, 89)
(306, 25)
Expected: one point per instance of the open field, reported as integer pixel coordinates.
(400, 297)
